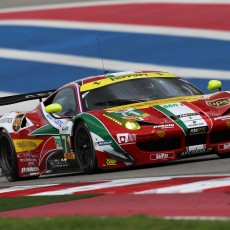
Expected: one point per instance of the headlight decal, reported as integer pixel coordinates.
(129, 124)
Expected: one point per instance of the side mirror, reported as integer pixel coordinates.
(214, 84)
(53, 108)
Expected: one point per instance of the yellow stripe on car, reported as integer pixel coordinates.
(124, 77)
(143, 105)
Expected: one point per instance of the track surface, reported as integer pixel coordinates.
(203, 165)
(208, 165)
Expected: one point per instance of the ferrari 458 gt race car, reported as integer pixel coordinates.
(114, 121)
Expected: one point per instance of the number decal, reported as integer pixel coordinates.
(65, 139)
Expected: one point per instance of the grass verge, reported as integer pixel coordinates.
(12, 203)
(111, 223)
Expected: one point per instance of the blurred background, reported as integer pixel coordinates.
(45, 44)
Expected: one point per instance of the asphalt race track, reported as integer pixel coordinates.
(210, 165)
(199, 53)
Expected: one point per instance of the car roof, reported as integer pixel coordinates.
(94, 82)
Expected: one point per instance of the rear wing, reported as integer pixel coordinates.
(25, 97)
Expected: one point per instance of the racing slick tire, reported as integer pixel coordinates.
(8, 157)
(84, 149)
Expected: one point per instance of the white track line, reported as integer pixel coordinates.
(100, 3)
(103, 185)
(116, 27)
(21, 188)
(95, 63)
(190, 187)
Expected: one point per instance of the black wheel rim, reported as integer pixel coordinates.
(84, 147)
(6, 152)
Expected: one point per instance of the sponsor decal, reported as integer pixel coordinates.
(125, 138)
(132, 114)
(189, 115)
(111, 162)
(219, 102)
(102, 143)
(187, 118)
(198, 130)
(128, 76)
(26, 155)
(162, 156)
(195, 150)
(23, 145)
(55, 120)
(69, 156)
(161, 133)
(163, 126)
(222, 118)
(6, 120)
(195, 123)
(29, 169)
(25, 160)
(118, 78)
(18, 122)
(58, 163)
(169, 106)
(65, 129)
(224, 146)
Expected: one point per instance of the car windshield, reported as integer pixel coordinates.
(137, 90)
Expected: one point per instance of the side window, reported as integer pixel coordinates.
(66, 98)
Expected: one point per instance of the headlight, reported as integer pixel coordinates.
(132, 125)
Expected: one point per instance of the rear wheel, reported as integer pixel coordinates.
(8, 158)
(84, 149)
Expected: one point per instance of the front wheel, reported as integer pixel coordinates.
(84, 149)
(8, 158)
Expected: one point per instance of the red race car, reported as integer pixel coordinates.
(113, 121)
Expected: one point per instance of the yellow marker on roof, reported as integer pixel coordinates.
(123, 77)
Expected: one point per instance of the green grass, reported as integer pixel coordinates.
(111, 223)
(13, 203)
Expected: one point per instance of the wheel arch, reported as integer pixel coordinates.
(97, 127)
(9, 167)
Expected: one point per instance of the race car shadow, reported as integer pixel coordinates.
(163, 164)
(139, 167)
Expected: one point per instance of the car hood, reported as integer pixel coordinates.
(187, 109)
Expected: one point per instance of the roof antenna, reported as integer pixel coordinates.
(102, 60)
